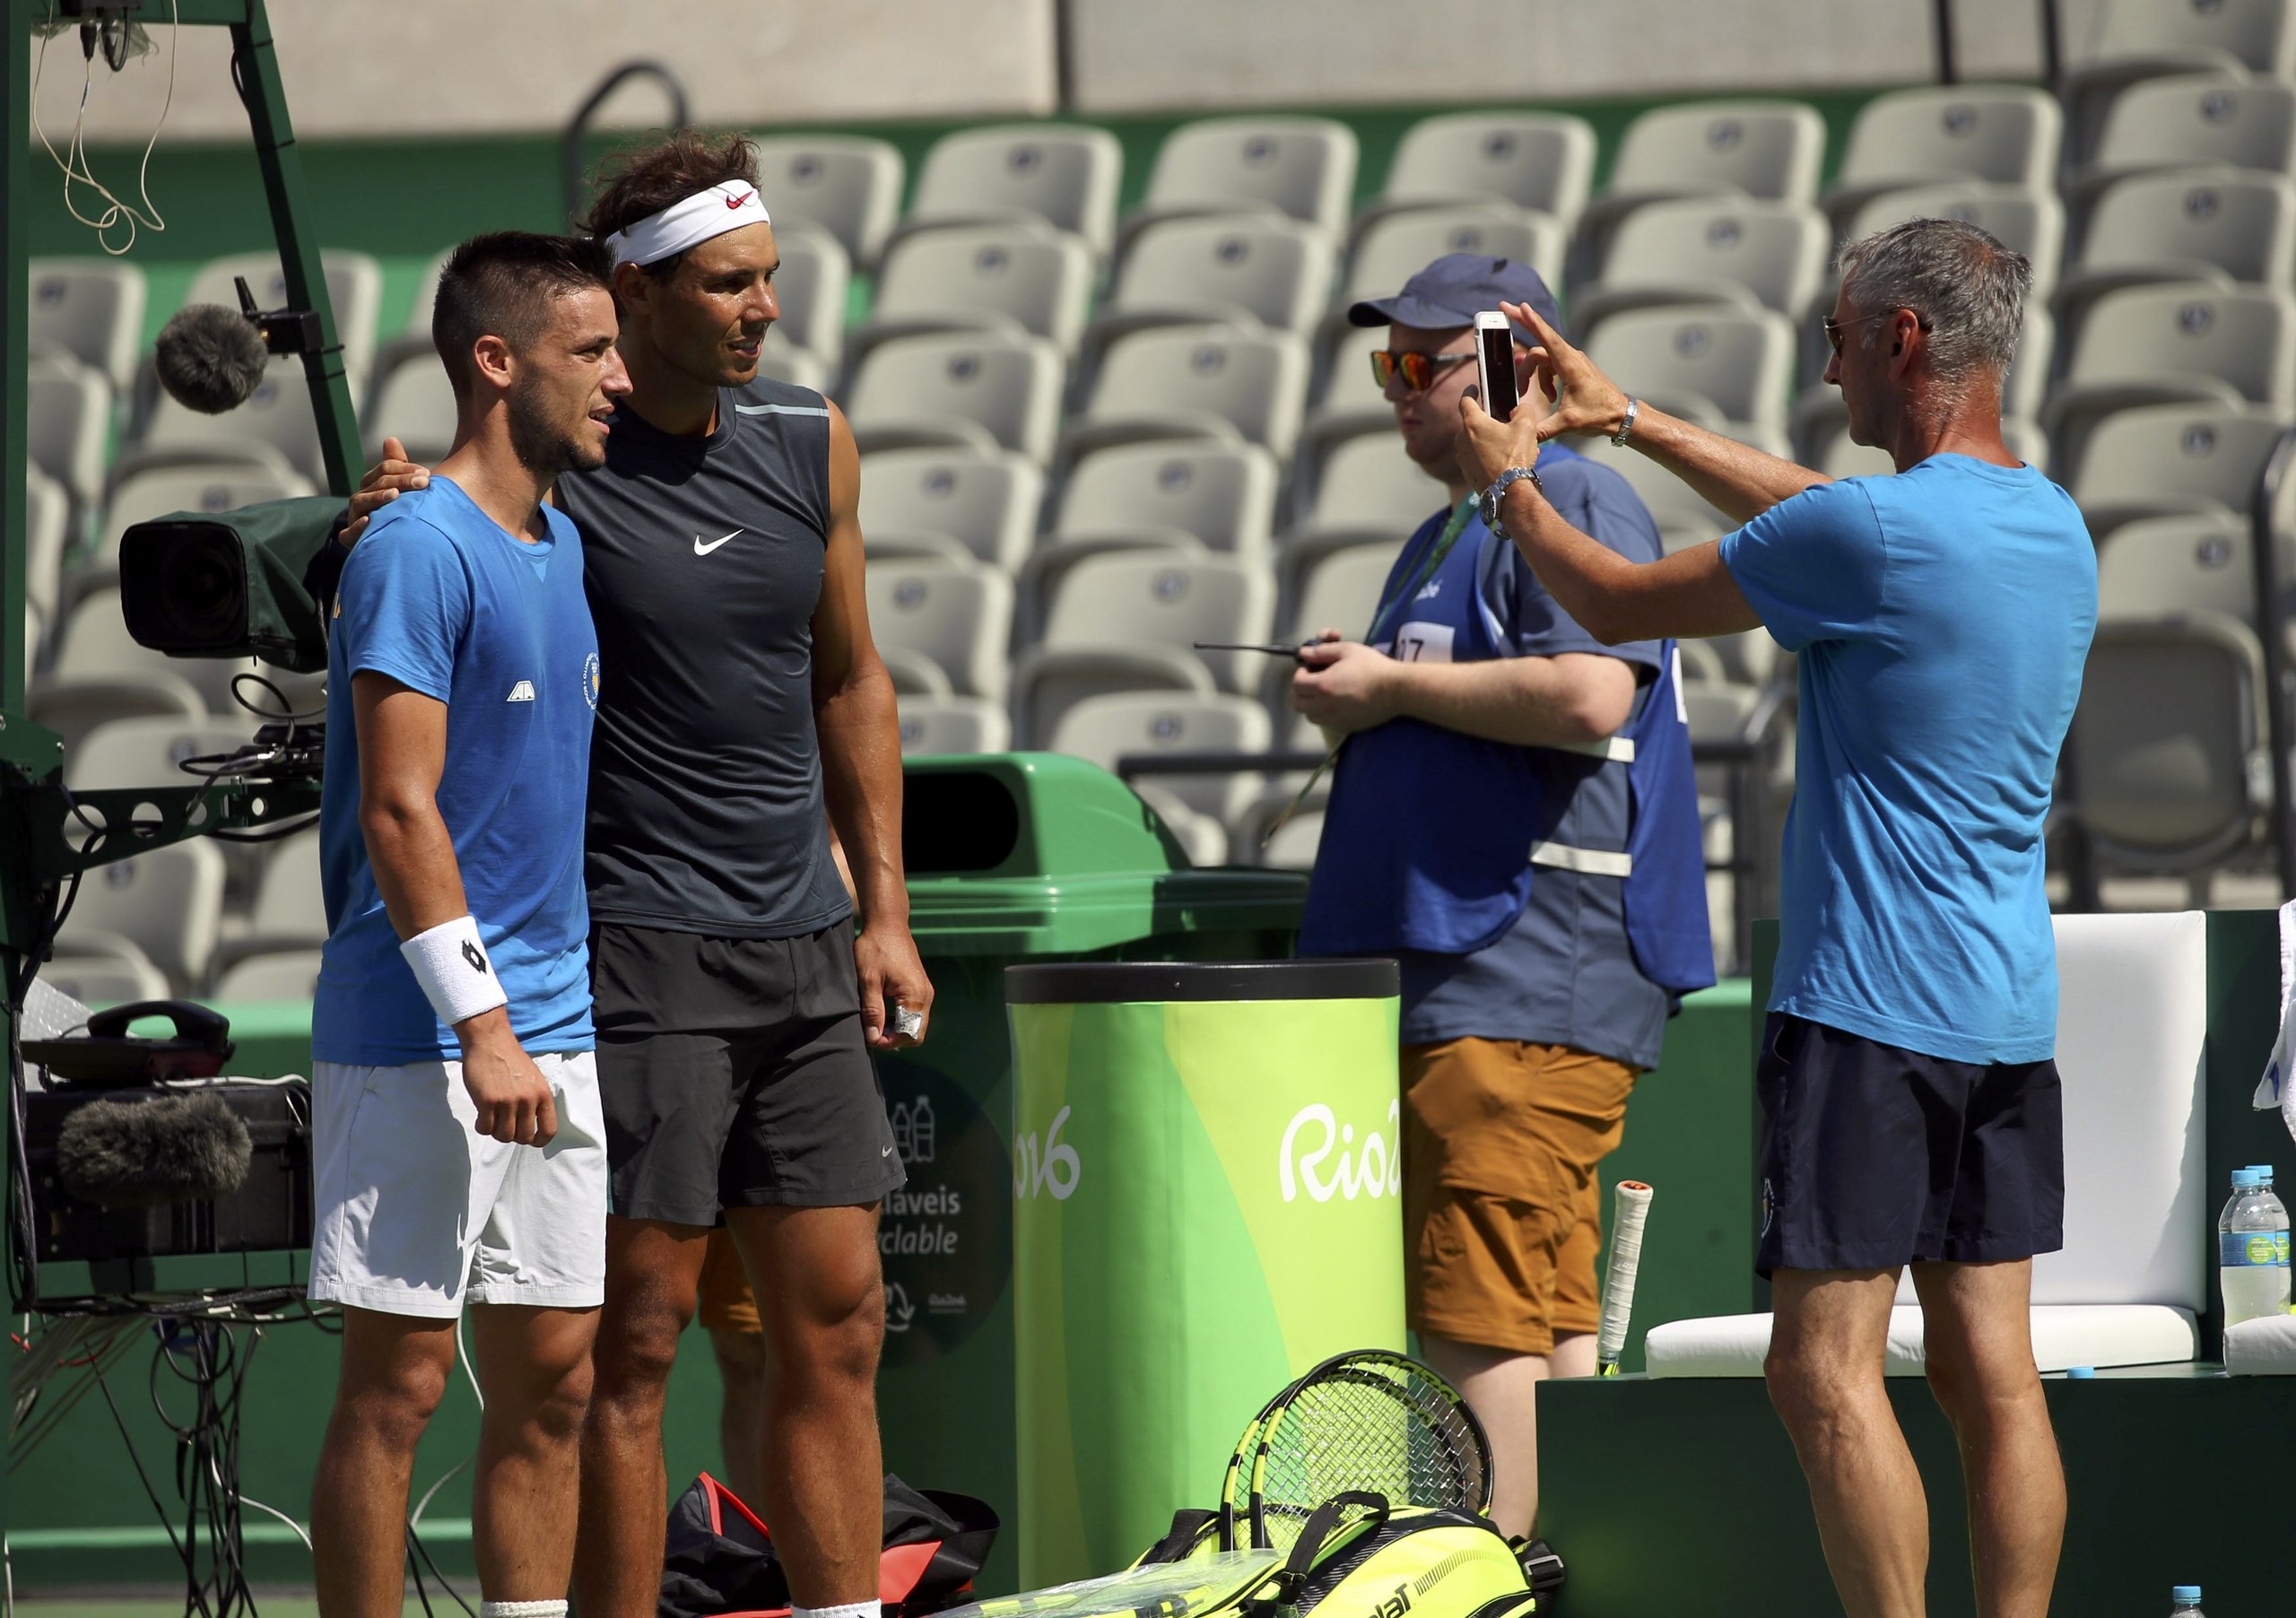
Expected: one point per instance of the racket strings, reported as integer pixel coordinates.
(1378, 1428)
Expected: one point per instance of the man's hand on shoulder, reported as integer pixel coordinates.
(382, 484)
(514, 1100)
(891, 974)
(1345, 686)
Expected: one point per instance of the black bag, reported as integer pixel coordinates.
(719, 1559)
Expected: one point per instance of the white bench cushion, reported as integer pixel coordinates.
(2064, 1335)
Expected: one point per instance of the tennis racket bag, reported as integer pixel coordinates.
(1357, 1556)
(719, 1559)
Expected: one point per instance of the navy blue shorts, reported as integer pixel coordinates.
(1873, 1156)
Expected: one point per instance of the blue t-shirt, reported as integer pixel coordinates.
(1942, 618)
(1564, 974)
(438, 597)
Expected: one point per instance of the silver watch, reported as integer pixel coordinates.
(1495, 497)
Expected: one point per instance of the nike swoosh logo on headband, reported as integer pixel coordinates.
(735, 202)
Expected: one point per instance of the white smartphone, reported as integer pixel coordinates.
(1494, 358)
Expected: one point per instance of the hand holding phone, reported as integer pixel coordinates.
(1494, 359)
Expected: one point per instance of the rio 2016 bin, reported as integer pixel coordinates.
(1012, 857)
(1206, 1180)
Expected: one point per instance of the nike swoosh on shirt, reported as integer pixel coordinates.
(703, 550)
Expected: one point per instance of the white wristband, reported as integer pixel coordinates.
(449, 961)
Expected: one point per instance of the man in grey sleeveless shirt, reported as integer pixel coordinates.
(742, 712)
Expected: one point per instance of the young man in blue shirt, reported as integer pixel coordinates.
(1911, 1104)
(458, 1141)
(1496, 822)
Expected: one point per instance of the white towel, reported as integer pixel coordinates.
(2265, 1347)
(2276, 1088)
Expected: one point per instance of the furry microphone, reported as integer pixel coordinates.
(147, 1155)
(211, 359)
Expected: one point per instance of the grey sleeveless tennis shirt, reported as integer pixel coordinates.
(704, 565)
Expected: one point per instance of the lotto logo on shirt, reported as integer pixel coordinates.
(590, 680)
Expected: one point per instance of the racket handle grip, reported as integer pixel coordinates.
(1631, 1209)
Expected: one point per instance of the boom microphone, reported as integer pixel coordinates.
(211, 359)
(147, 1155)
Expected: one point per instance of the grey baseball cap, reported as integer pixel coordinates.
(1455, 289)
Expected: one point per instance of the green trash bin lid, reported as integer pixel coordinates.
(1039, 854)
(1089, 982)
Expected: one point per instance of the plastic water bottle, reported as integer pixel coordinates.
(2184, 1601)
(2252, 1241)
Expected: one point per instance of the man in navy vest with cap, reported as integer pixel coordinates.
(1512, 816)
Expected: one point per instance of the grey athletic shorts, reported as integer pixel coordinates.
(735, 1075)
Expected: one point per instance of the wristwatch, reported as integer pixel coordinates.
(1495, 497)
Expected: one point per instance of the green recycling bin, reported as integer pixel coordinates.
(1011, 857)
(1207, 1183)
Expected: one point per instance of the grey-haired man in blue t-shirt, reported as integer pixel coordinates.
(1910, 1105)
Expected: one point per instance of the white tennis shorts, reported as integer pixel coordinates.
(417, 1212)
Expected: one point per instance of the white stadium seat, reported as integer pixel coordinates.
(276, 975)
(957, 613)
(1770, 149)
(2195, 121)
(1737, 251)
(810, 289)
(1399, 244)
(67, 424)
(1018, 277)
(2180, 342)
(951, 502)
(938, 724)
(1065, 175)
(168, 900)
(1542, 162)
(2006, 135)
(987, 390)
(1216, 382)
(1128, 621)
(91, 308)
(847, 184)
(1275, 271)
(1300, 167)
(2139, 39)
(2166, 745)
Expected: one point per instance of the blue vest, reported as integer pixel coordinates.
(1432, 837)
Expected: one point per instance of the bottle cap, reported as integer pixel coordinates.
(2079, 1373)
(2184, 1592)
(2244, 1179)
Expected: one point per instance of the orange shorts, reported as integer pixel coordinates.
(1502, 1201)
(727, 1304)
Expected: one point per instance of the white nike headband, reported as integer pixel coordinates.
(689, 223)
